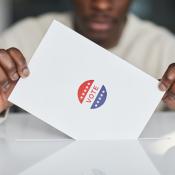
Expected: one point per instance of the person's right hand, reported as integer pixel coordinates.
(12, 66)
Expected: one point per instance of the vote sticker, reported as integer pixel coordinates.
(92, 94)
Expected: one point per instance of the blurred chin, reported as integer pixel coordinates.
(98, 36)
(96, 31)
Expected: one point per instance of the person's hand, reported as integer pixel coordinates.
(12, 66)
(167, 84)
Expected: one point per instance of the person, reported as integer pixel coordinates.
(107, 23)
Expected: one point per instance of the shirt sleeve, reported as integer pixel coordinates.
(25, 35)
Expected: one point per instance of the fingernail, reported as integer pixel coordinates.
(6, 86)
(171, 77)
(162, 87)
(15, 77)
(25, 72)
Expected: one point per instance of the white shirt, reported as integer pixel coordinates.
(143, 44)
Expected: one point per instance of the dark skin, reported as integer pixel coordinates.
(102, 21)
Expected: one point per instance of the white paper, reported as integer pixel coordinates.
(62, 62)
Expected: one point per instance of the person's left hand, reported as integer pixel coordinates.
(167, 84)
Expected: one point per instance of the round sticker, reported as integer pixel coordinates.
(92, 94)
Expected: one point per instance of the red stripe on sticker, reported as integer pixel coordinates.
(83, 90)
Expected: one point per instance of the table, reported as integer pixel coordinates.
(29, 146)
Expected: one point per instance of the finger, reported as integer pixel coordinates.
(171, 91)
(8, 65)
(168, 78)
(20, 61)
(4, 81)
(165, 96)
(10, 89)
(4, 103)
(169, 97)
(170, 101)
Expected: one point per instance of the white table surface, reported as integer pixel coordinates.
(26, 142)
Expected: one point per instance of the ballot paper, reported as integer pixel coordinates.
(84, 90)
